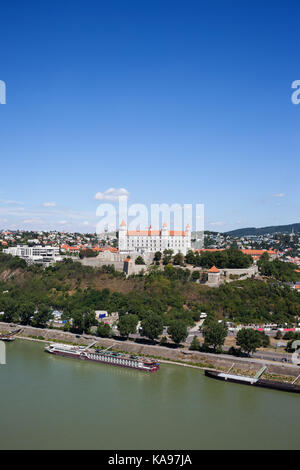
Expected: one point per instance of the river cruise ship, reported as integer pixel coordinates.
(104, 356)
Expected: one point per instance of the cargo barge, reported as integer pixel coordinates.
(11, 336)
(254, 381)
(103, 356)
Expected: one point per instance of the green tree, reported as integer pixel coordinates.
(152, 326)
(157, 256)
(10, 308)
(127, 324)
(26, 311)
(167, 256)
(265, 339)
(214, 334)
(178, 331)
(104, 330)
(190, 257)
(178, 259)
(87, 253)
(89, 319)
(195, 346)
(42, 316)
(77, 321)
(195, 275)
(248, 340)
(278, 334)
(139, 260)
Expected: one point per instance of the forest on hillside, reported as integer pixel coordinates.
(28, 294)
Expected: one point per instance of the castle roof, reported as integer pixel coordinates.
(213, 269)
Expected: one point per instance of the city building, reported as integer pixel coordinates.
(150, 241)
(35, 254)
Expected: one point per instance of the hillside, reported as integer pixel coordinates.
(30, 292)
(264, 230)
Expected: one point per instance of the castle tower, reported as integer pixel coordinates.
(213, 277)
(188, 236)
(164, 237)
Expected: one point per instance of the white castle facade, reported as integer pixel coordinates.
(150, 241)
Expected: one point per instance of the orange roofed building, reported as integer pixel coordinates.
(213, 277)
(97, 249)
(213, 269)
(150, 241)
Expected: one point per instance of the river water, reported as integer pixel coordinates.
(50, 402)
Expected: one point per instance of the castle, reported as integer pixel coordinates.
(150, 241)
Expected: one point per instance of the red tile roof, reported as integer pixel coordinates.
(245, 251)
(213, 269)
(259, 252)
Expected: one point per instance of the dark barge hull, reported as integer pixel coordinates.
(285, 387)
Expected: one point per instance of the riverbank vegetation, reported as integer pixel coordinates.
(215, 333)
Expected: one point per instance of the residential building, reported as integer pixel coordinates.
(36, 253)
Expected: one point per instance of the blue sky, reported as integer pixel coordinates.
(177, 102)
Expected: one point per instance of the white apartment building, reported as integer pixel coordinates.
(34, 253)
(150, 241)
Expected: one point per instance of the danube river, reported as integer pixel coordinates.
(50, 402)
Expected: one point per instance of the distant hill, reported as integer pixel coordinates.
(240, 232)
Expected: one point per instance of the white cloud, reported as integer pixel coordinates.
(111, 194)
(49, 204)
(216, 224)
(279, 195)
(33, 221)
(12, 203)
(85, 222)
(62, 222)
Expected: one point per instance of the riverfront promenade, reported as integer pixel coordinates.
(176, 355)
